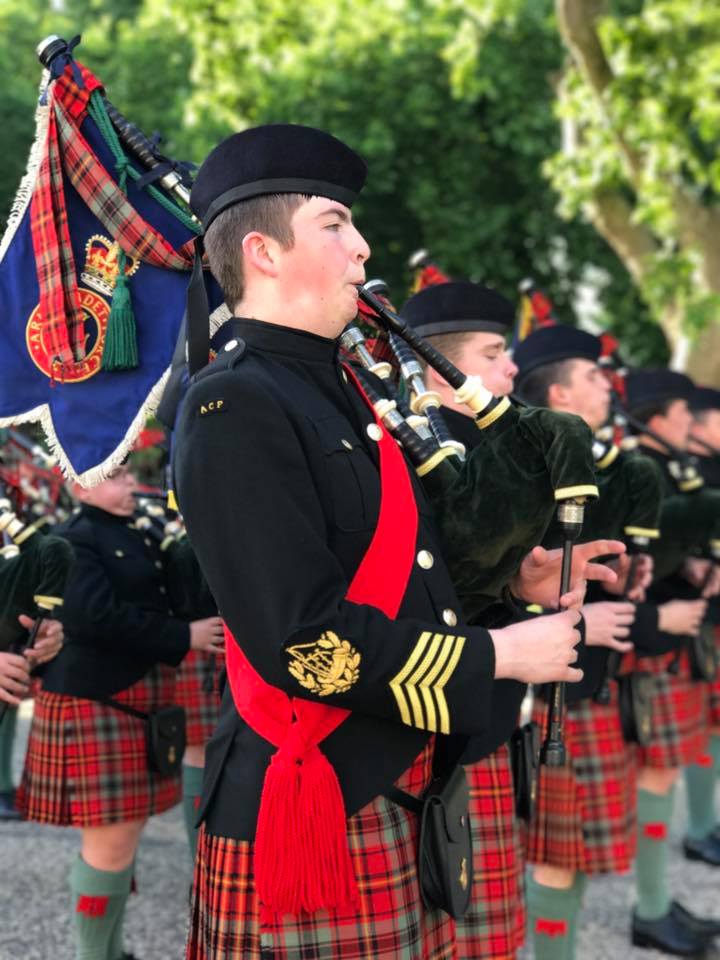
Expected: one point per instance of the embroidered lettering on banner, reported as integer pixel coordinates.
(325, 666)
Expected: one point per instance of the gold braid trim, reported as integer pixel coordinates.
(442, 453)
(582, 490)
(483, 422)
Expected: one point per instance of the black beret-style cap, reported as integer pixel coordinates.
(552, 344)
(704, 398)
(276, 158)
(457, 307)
(650, 386)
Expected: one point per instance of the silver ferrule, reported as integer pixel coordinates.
(571, 512)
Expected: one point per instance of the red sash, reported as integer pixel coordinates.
(301, 856)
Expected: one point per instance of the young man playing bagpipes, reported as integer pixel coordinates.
(701, 776)
(469, 323)
(658, 402)
(319, 546)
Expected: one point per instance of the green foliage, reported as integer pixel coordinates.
(653, 135)
(450, 102)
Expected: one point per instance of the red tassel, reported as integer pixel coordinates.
(302, 860)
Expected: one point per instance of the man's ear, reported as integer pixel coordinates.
(556, 396)
(260, 253)
(434, 378)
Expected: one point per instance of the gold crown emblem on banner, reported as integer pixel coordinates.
(101, 264)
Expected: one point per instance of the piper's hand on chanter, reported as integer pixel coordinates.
(207, 635)
(702, 573)
(541, 650)
(538, 579)
(681, 616)
(14, 678)
(642, 576)
(48, 642)
(607, 623)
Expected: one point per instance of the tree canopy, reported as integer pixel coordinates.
(454, 103)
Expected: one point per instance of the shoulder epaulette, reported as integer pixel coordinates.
(230, 355)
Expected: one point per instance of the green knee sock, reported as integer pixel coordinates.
(7, 740)
(700, 788)
(552, 918)
(98, 903)
(578, 888)
(116, 950)
(192, 778)
(654, 816)
(715, 754)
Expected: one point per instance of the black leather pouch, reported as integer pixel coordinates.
(445, 862)
(164, 736)
(165, 739)
(702, 653)
(525, 759)
(445, 853)
(635, 693)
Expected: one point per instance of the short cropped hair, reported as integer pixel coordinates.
(270, 214)
(535, 387)
(448, 344)
(657, 408)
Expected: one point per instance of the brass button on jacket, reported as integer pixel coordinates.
(425, 559)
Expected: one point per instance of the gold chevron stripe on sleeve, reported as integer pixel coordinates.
(399, 678)
(440, 686)
(418, 686)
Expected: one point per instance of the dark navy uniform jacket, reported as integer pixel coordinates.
(115, 612)
(276, 473)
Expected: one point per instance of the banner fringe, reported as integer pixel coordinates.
(95, 475)
(27, 184)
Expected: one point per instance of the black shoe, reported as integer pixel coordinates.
(668, 935)
(8, 810)
(707, 849)
(707, 927)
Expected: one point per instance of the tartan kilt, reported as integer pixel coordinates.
(86, 763)
(715, 688)
(586, 814)
(679, 720)
(196, 672)
(494, 925)
(390, 923)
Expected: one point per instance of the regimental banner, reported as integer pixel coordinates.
(55, 310)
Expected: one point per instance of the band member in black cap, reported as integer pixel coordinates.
(659, 400)
(468, 324)
(346, 651)
(586, 823)
(88, 761)
(701, 776)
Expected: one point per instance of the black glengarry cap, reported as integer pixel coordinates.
(647, 387)
(553, 344)
(457, 307)
(276, 158)
(704, 398)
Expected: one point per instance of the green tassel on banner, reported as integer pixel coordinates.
(121, 351)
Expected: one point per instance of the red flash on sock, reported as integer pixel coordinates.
(551, 928)
(704, 760)
(196, 803)
(655, 831)
(92, 906)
